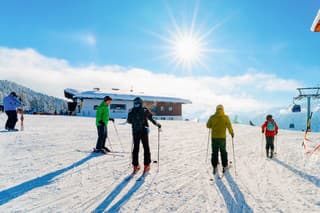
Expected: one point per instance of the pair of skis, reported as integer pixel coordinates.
(113, 153)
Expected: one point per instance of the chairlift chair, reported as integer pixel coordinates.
(291, 126)
(296, 108)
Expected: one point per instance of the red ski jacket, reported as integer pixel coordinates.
(268, 132)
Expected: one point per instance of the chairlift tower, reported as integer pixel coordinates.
(309, 92)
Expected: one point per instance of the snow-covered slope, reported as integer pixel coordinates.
(41, 171)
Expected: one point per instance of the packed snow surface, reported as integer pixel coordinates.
(48, 167)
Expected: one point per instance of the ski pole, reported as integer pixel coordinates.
(131, 159)
(21, 117)
(110, 143)
(261, 145)
(21, 120)
(276, 145)
(158, 149)
(234, 159)
(209, 133)
(115, 128)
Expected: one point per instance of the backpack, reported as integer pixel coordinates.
(138, 119)
(271, 126)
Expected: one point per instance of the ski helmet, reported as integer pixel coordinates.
(137, 102)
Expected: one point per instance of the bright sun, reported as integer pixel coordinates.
(186, 46)
(187, 49)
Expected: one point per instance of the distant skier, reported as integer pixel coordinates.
(102, 118)
(138, 117)
(11, 102)
(270, 129)
(218, 123)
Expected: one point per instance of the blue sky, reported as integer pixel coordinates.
(263, 37)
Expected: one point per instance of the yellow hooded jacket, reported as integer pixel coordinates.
(218, 123)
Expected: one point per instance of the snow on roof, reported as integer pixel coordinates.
(125, 97)
(316, 23)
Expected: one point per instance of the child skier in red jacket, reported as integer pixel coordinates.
(270, 129)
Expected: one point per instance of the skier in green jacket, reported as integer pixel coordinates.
(102, 118)
(218, 123)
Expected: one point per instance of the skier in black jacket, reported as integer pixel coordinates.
(138, 117)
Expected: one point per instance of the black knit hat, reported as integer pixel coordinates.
(269, 116)
(13, 94)
(107, 98)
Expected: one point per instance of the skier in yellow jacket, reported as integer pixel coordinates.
(218, 123)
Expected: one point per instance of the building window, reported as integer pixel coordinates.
(95, 107)
(154, 109)
(118, 106)
(162, 109)
(170, 109)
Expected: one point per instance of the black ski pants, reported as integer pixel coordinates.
(219, 144)
(269, 143)
(143, 137)
(102, 136)
(12, 119)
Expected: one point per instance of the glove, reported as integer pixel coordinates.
(262, 131)
(111, 119)
(276, 132)
(102, 123)
(158, 125)
(232, 135)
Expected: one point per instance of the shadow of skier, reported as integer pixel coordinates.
(237, 202)
(313, 179)
(127, 196)
(21, 189)
(239, 197)
(229, 200)
(115, 192)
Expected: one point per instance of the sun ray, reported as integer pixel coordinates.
(186, 46)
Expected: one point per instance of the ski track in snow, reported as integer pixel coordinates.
(41, 171)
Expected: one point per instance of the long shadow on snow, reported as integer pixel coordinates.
(123, 200)
(310, 178)
(115, 192)
(240, 199)
(19, 190)
(229, 200)
(6, 131)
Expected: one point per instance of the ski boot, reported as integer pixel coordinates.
(146, 168)
(271, 154)
(95, 150)
(225, 169)
(214, 170)
(106, 150)
(136, 169)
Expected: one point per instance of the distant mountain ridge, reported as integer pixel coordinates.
(34, 101)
